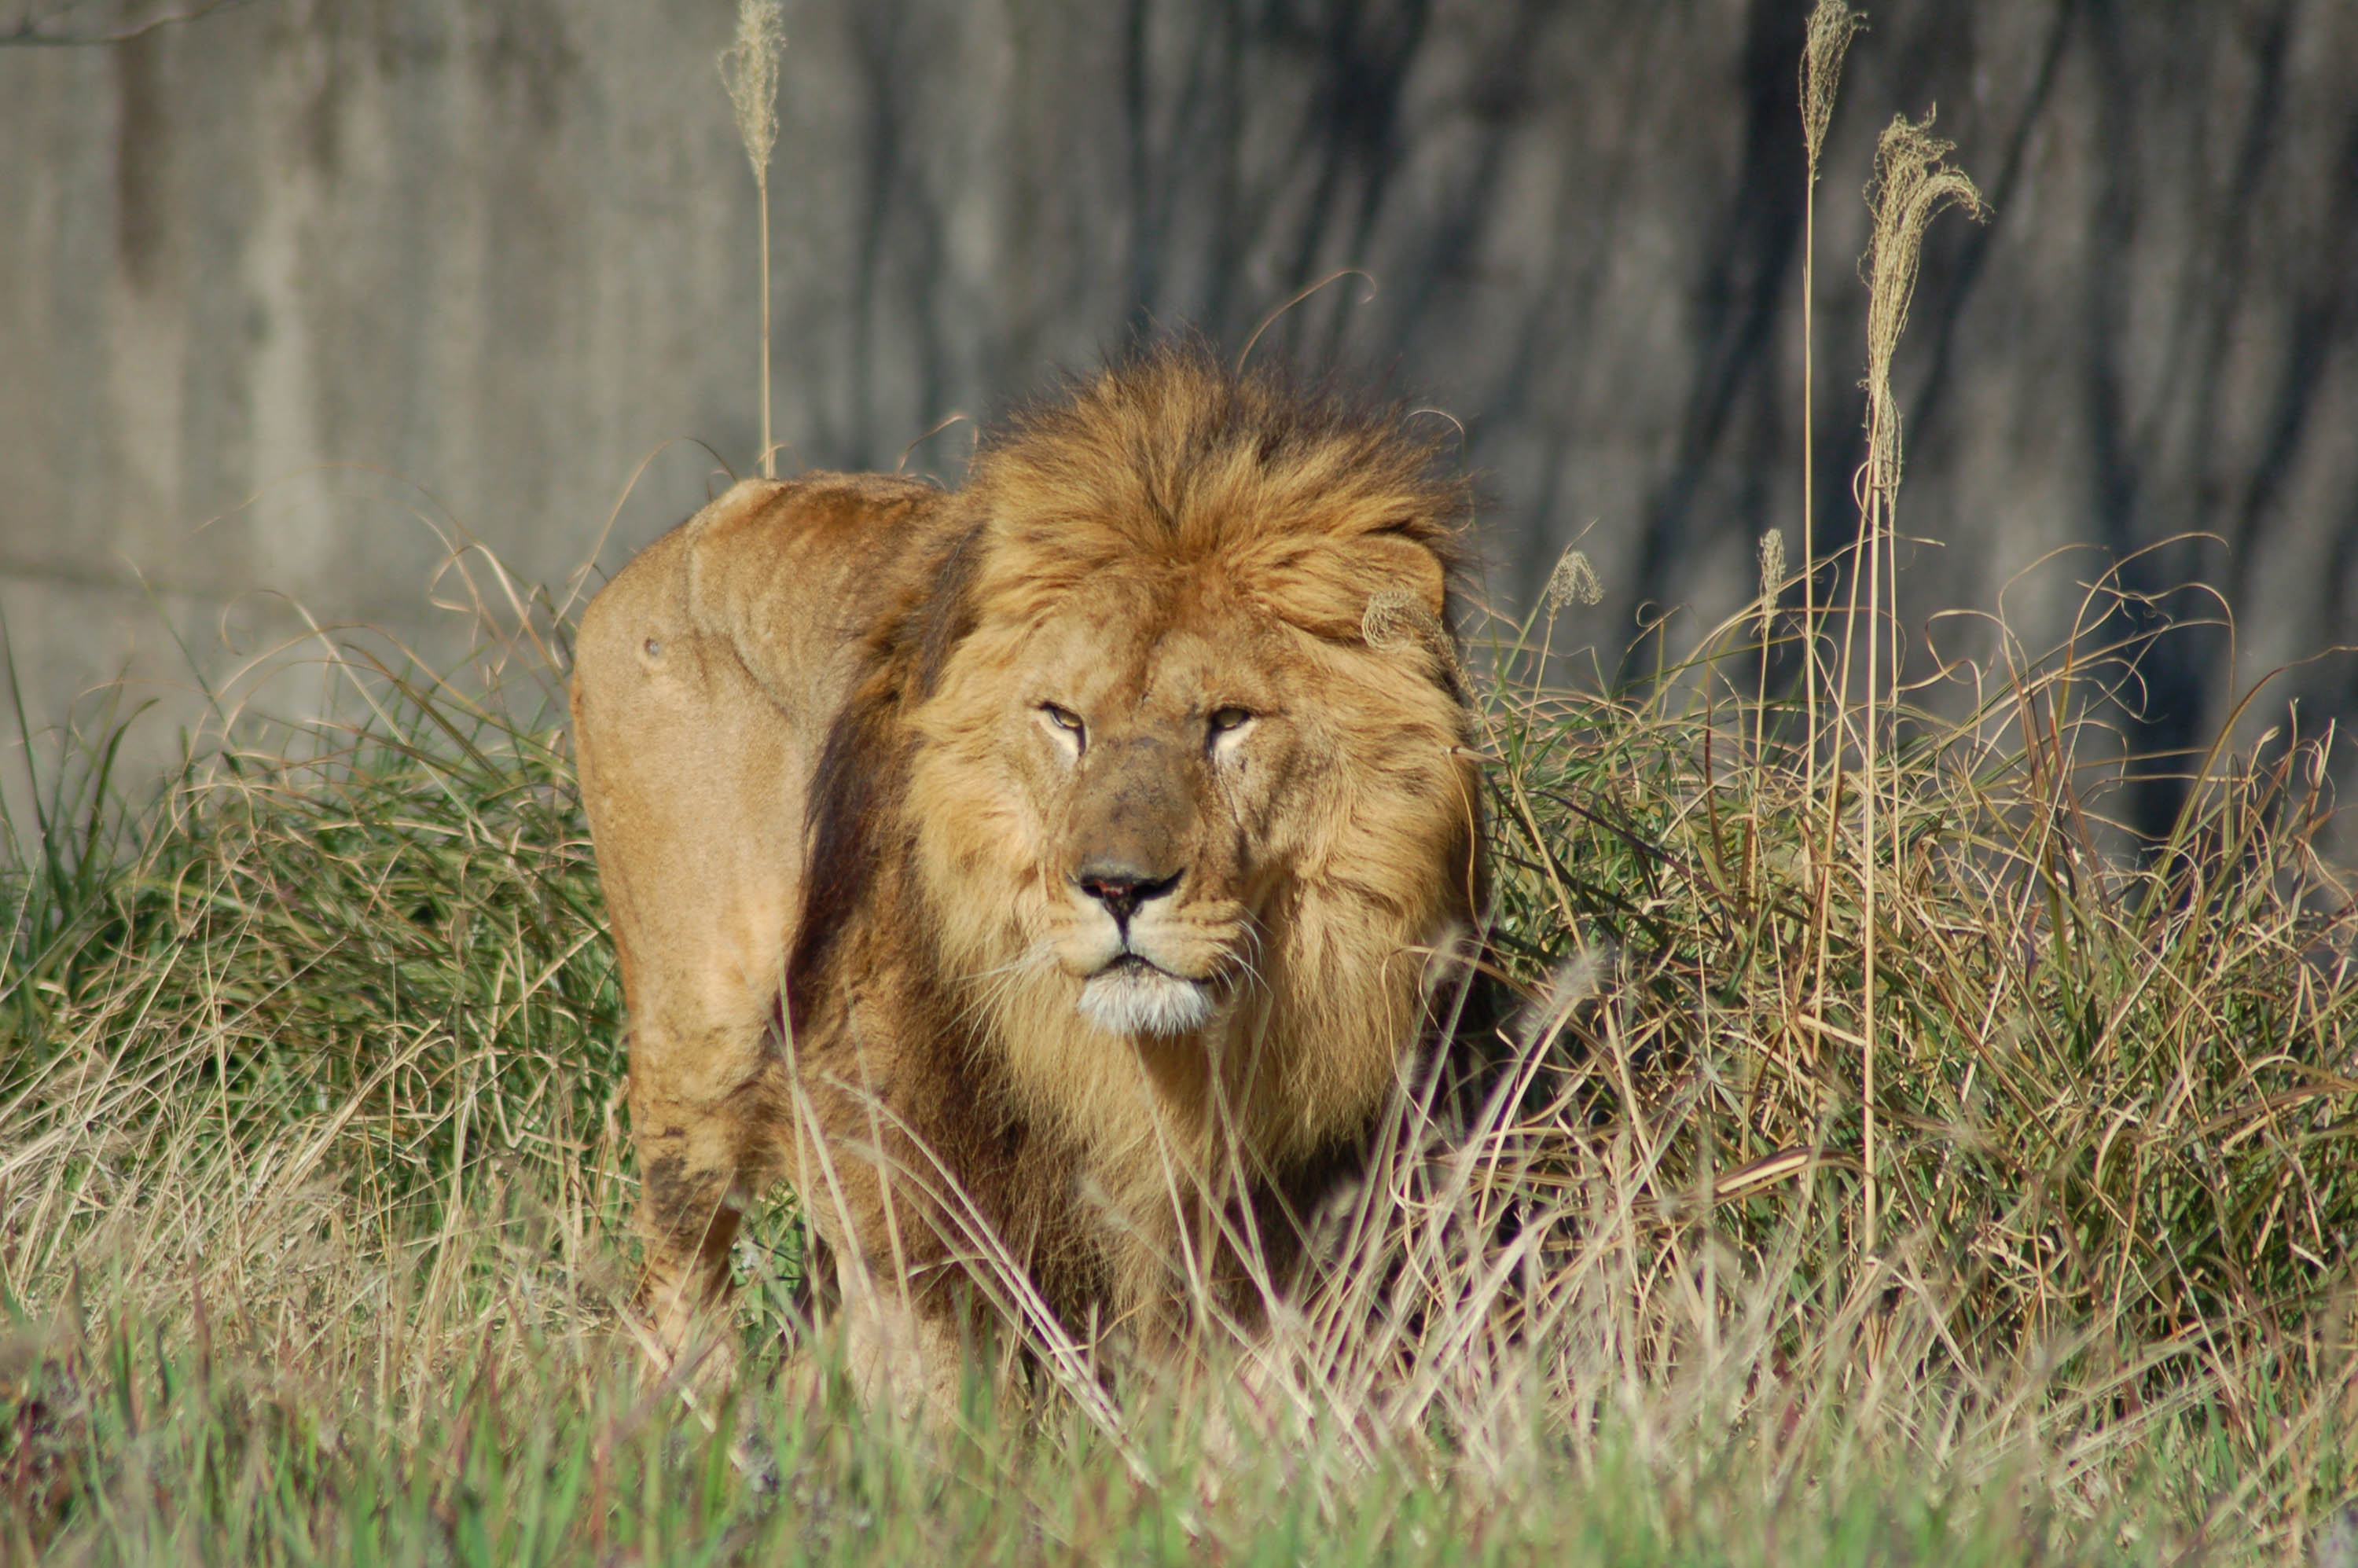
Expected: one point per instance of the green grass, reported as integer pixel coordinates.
(314, 1186)
(2028, 1239)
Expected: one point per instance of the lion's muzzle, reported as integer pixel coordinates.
(1130, 993)
(1130, 996)
(1135, 824)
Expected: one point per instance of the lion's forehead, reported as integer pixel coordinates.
(1151, 665)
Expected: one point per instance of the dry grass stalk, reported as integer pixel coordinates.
(1772, 590)
(1831, 27)
(748, 69)
(1913, 182)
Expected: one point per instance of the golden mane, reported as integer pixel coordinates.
(1166, 460)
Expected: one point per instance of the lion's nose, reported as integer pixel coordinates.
(1122, 889)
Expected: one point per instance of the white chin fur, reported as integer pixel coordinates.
(1134, 999)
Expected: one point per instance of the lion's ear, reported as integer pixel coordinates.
(1406, 563)
(1395, 620)
(1326, 587)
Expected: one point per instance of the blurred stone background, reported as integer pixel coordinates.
(294, 293)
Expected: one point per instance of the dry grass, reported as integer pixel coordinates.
(748, 69)
(1863, 1175)
(311, 1182)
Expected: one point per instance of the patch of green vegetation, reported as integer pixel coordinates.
(314, 1185)
(1887, 1162)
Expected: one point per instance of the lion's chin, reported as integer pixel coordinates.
(1135, 997)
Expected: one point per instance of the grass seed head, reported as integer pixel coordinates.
(1573, 581)
(1832, 26)
(1913, 181)
(749, 68)
(1772, 576)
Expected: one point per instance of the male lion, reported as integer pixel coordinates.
(1041, 874)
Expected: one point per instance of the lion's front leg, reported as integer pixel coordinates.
(902, 1347)
(693, 1178)
(880, 1242)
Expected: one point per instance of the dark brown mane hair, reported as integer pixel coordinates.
(863, 772)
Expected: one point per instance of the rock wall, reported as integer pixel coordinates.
(296, 294)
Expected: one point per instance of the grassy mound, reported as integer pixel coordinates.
(313, 1184)
(1885, 1161)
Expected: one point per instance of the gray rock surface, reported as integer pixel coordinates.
(296, 292)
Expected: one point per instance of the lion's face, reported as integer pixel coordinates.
(1173, 802)
(1137, 788)
(1158, 771)
(1157, 798)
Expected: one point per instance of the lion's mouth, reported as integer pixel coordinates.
(1133, 995)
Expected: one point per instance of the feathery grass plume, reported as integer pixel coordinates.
(1577, 979)
(1772, 577)
(1831, 27)
(1913, 181)
(748, 69)
(1573, 581)
(1772, 589)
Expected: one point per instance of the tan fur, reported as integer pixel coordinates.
(1040, 875)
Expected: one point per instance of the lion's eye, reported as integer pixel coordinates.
(1225, 719)
(1066, 719)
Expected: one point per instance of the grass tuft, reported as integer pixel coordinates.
(1875, 1164)
(312, 1181)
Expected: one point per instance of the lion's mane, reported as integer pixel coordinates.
(1090, 1155)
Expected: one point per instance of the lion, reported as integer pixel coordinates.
(1041, 876)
